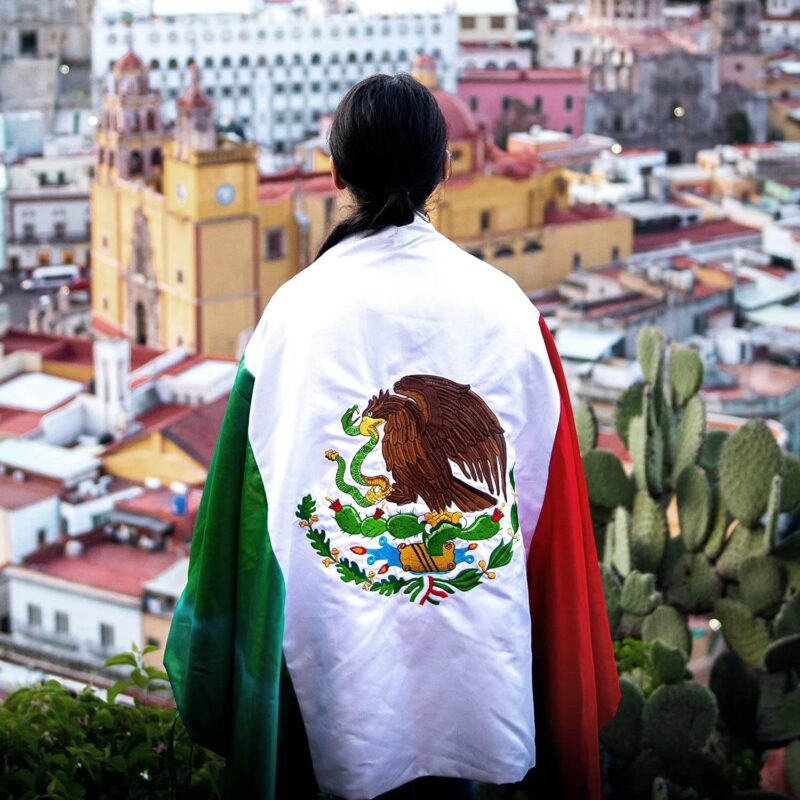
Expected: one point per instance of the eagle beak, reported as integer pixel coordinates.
(370, 425)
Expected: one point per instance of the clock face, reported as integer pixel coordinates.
(225, 194)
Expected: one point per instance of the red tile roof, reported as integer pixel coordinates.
(579, 212)
(107, 565)
(702, 232)
(16, 494)
(196, 431)
(19, 423)
(157, 503)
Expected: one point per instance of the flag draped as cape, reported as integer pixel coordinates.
(393, 571)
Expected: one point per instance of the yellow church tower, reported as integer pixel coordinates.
(175, 222)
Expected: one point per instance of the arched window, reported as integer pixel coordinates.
(172, 63)
(490, 65)
(155, 63)
(156, 158)
(316, 58)
(136, 164)
(244, 61)
(279, 60)
(208, 62)
(226, 62)
(297, 60)
(368, 56)
(532, 247)
(334, 58)
(402, 55)
(190, 62)
(504, 251)
(262, 61)
(136, 124)
(101, 155)
(352, 58)
(150, 119)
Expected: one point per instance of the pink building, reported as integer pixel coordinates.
(507, 100)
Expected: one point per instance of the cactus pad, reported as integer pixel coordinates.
(741, 544)
(691, 432)
(710, 451)
(773, 508)
(787, 622)
(629, 405)
(617, 552)
(719, 528)
(638, 448)
(790, 494)
(694, 506)
(606, 481)
(693, 586)
(586, 426)
(667, 625)
(639, 595)
(685, 374)
(736, 688)
(748, 462)
(791, 760)
(668, 662)
(650, 352)
(761, 584)
(745, 634)
(783, 655)
(612, 590)
(649, 533)
(622, 735)
(679, 718)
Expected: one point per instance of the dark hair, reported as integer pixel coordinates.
(388, 140)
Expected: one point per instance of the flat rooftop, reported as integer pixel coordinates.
(37, 391)
(67, 465)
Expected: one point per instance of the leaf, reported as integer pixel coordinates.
(150, 648)
(466, 579)
(117, 688)
(306, 508)
(514, 517)
(501, 555)
(121, 659)
(389, 586)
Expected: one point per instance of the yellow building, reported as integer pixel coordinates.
(189, 242)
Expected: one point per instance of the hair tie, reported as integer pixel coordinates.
(399, 190)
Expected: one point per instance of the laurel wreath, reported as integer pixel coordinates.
(350, 572)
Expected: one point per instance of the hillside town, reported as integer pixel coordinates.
(163, 173)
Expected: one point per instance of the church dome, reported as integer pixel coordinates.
(461, 122)
(130, 62)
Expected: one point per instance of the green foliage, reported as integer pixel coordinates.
(695, 504)
(685, 374)
(761, 584)
(667, 625)
(740, 545)
(606, 481)
(773, 508)
(719, 529)
(790, 496)
(787, 621)
(749, 461)
(612, 592)
(783, 655)
(617, 553)
(638, 448)
(639, 595)
(649, 533)
(736, 688)
(586, 426)
(679, 718)
(745, 633)
(59, 744)
(710, 452)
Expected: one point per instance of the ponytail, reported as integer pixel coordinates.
(388, 140)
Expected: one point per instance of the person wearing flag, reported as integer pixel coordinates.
(393, 585)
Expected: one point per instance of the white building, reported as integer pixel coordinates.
(488, 36)
(278, 70)
(47, 208)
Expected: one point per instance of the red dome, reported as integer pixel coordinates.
(461, 123)
(193, 97)
(130, 62)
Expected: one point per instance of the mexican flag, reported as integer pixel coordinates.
(393, 572)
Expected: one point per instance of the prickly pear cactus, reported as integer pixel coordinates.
(761, 584)
(685, 374)
(746, 634)
(694, 506)
(629, 405)
(667, 625)
(791, 759)
(790, 490)
(606, 481)
(694, 586)
(668, 662)
(617, 553)
(612, 592)
(787, 621)
(741, 544)
(678, 719)
(623, 734)
(719, 528)
(749, 461)
(586, 426)
(710, 452)
(650, 352)
(691, 431)
(639, 595)
(649, 533)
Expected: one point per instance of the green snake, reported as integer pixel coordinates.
(379, 487)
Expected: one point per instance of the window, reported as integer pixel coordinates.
(155, 63)
(316, 58)
(497, 23)
(316, 86)
(274, 244)
(474, 102)
(62, 623)
(532, 247)
(568, 129)
(297, 60)
(226, 62)
(279, 88)
(505, 103)
(172, 63)
(577, 56)
(28, 231)
(262, 61)
(227, 91)
(576, 261)
(34, 616)
(208, 62)
(280, 61)
(244, 91)
(297, 88)
(615, 254)
(244, 61)
(179, 276)
(568, 102)
(106, 635)
(59, 231)
(537, 104)
(486, 220)
(352, 58)
(468, 23)
(504, 251)
(28, 43)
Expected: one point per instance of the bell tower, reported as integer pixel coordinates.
(194, 125)
(735, 38)
(130, 133)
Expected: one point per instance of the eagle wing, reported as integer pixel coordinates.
(458, 425)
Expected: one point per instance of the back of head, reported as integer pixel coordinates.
(388, 142)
